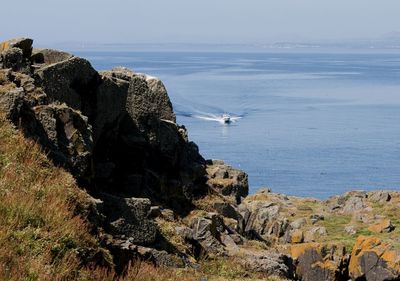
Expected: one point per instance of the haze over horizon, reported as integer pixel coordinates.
(212, 22)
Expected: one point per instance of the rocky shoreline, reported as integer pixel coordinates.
(151, 195)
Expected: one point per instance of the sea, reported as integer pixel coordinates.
(306, 123)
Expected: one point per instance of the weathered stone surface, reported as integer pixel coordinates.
(227, 180)
(297, 236)
(382, 226)
(49, 56)
(298, 223)
(227, 210)
(148, 101)
(349, 203)
(374, 260)
(128, 217)
(314, 261)
(381, 196)
(279, 227)
(258, 217)
(14, 58)
(11, 103)
(207, 231)
(24, 44)
(314, 234)
(72, 81)
(268, 262)
(67, 136)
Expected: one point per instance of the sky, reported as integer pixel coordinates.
(201, 21)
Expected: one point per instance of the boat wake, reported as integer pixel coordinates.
(223, 119)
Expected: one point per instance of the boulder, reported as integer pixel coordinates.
(258, 218)
(227, 180)
(14, 58)
(72, 81)
(128, 218)
(381, 196)
(315, 261)
(11, 102)
(314, 234)
(383, 226)
(24, 44)
(268, 263)
(349, 203)
(207, 231)
(148, 101)
(373, 259)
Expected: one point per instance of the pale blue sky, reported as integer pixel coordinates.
(201, 21)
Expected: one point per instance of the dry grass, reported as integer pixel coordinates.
(41, 237)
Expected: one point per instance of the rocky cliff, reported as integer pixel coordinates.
(151, 195)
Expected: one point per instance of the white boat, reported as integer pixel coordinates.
(226, 118)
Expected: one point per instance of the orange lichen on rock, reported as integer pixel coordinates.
(372, 250)
(297, 236)
(299, 249)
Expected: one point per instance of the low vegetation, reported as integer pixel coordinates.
(42, 237)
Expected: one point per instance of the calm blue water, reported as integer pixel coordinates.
(313, 124)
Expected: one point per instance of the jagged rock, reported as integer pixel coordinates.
(230, 246)
(314, 261)
(11, 103)
(258, 217)
(314, 234)
(279, 228)
(128, 217)
(227, 180)
(350, 202)
(72, 81)
(207, 231)
(24, 44)
(148, 102)
(380, 196)
(382, 226)
(67, 137)
(372, 259)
